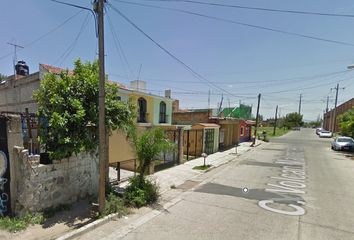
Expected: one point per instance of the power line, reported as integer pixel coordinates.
(72, 46)
(245, 24)
(258, 9)
(117, 43)
(195, 74)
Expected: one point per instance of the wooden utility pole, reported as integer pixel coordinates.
(335, 108)
(102, 129)
(300, 104)
(275, 121)
(255, 128)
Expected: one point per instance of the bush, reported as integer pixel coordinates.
(12, 224)
(141, 191)
(114, 204)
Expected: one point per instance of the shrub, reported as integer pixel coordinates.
(141, 191)
(114, 204)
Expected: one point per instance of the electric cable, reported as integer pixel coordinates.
(248, 25)
(170, 54)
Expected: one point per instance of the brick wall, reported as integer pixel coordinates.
(190, 118)
(20, 90)
(328, 117)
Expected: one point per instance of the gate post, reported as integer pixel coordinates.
(180, 145)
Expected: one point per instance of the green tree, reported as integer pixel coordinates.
(292, 120)
(2, 77)
(146, 145)
(346, 123)
(68, 104)
(316, 124)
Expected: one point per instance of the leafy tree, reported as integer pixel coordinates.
(147, 145)
(346, 123)
(69, 106)
(316, 124)
(2, 77)
(292, 120)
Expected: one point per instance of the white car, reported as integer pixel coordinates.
(325, 134)
(342, 143)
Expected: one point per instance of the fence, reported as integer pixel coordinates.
(167, 159)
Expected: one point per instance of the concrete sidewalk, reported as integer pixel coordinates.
(174, 176)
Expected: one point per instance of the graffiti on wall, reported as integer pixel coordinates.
(4, 197)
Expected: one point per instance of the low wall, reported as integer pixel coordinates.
(36, 187)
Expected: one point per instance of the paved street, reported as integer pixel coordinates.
(298, 188)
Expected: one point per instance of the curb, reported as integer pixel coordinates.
(89, 227)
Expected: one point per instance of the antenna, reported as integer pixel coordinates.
(15, 73)
(139, 70)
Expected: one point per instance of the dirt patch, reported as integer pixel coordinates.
(62, 223)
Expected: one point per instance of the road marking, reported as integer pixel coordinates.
(293, 179)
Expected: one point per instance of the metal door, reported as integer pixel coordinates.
(209, 141)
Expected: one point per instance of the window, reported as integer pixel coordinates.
(162, 112)
(242, 130)
(141, 110)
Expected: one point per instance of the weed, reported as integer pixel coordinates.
(201, 167)
(114, 204)
(50, 212)
(141, 191)
(12, 224)
(173, 187)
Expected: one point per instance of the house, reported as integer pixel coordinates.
(229, 127)
(153, 110)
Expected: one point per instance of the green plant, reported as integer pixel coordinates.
(12, 224)
(69, 106)
(201, 167)
(147, 145)
(141, 191)
(114, 204)
(173, 187)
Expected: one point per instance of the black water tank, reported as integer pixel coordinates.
(21, 68)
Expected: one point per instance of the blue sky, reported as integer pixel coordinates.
(240, 61)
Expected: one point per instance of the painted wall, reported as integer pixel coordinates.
(156, 112)
(149, 106)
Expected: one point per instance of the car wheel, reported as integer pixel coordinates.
(332, 147)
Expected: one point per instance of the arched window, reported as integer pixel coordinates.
(141, 110)
(162, 112)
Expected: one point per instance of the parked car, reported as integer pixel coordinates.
(343, 143)
(325, 134)
(318, 130)
(297, 128)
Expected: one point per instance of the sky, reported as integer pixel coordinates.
(193, 47)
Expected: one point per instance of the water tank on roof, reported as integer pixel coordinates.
(21, 68)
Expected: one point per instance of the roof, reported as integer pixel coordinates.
(120, 85)
(184, 111)
(56, 70)
(207, 124)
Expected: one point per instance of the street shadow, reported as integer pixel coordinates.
(81, 214)
(253, 194)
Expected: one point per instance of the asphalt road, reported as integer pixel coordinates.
(297, 188)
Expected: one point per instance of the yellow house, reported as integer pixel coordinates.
(153, 110)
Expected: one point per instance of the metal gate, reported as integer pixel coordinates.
(209, 141)
(170, 159)
(5, 203)
(193, 143)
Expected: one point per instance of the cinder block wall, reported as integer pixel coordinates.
(20, 90)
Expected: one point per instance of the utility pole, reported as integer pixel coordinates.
(335, 107)
(255, 129)
(300, 104)
(102, 137)
(325, 116)
(209, 100)
(275, 121)
(15, 74)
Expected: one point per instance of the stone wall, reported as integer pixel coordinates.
(36, 187)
